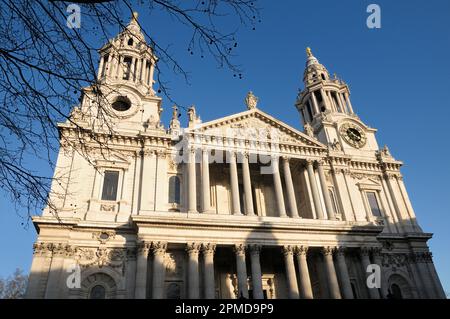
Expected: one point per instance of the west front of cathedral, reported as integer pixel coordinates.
(243, 206)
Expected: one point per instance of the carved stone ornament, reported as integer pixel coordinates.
(394, 260)
(108, 208)
(104, 236)
(112, 257)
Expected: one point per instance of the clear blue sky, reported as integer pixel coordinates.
(399, 78)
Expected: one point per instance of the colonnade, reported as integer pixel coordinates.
(298, 283)
(280, 190)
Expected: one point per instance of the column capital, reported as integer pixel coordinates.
(309, 161)
(159, 247)
(288, 250)
(301, 250)
(286, 159)
(208, 249)
(254, 249)
(365, 251)
(143, 248)
(193, 248)
(239, 249)
(341, 250)
(328, 250)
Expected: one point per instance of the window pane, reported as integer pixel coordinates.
(374, 207)
(110, 183)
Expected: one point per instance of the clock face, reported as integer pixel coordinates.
(353, 135)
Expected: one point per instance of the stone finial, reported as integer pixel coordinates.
(251, 100)
(134, 16)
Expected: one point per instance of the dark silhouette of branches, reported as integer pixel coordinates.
(44, 64)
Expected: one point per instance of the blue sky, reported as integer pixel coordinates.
(399, 77)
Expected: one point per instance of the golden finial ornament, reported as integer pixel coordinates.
(308, 51)
(135, 16)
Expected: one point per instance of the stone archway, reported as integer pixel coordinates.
(399, 287)
(98, 286)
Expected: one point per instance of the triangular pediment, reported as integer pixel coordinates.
(256, 125)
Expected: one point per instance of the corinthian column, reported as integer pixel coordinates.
(241, 271)
(290, 188)
(278, 187)
(159, 251)
(325, 192)
(373, 292)
(343, 273)
(140, 291)
(256, 272)
(331, 273)
(303, 271)
(192, 191)
(193, 279)
(314, 189)
(208, 257)
(291, 277)
(234, 181)
(247, 186)
(206, 205)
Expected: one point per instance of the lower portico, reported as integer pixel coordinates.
(264, 258)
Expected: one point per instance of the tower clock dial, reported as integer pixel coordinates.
(353, 135)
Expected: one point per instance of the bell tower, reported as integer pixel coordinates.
(124, 87)
(327, 113)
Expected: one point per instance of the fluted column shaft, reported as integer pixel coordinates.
(241, 271)
(192, 191)
(193, 279)
(206, 200)
(347, 292)
(256, 271)
(373, 292)
(140, 290)
(247, 186)
(278, 187)
(208, 258)
(303, 271)
(159, 251)
(293, 210)
(291, 277)
(325, 192)
(331, 273)
(236, 205)
(314, 190)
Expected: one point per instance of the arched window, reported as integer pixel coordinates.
(174, 190)
(97, 292)
(323, 76)
(130, 42)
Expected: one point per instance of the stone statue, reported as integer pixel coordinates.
(309, 130)
(251, 100)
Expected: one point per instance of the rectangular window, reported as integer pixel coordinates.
(110, 183)
(373, 203)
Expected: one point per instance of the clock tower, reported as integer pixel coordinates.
(328, 115)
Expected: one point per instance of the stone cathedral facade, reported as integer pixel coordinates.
(241, 206)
